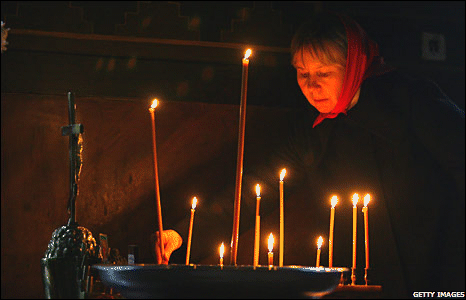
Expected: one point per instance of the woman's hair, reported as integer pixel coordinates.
(324, 37)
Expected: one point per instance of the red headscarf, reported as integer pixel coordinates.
(362, 61)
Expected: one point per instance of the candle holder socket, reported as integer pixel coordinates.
(353, 276)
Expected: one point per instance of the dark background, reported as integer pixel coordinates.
(117, 56)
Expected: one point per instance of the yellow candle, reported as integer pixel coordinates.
(257, 230)
(319, 244)
(353, 269)
(334, 202)
(365, 210)
(190, 233)
(221, 250)
(239, 161)
(282, 220)
(270, 246)
(156, 172)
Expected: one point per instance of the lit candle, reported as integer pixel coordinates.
(353, 269)
(270, 244)
(319, 244)
(221, 250)
(365, 210)
(156, 172)
(193, 208)
(282, 219)
(257, 231)
(334, 202)
(239, 161)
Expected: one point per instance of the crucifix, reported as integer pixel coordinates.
(74, 132)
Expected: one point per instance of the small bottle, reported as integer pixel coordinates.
(133, 254)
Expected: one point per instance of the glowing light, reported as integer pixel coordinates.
(367, 198)
(355, 199)
(319, 242)
(282, 174)
(334, 201)
(270, 242)
(193, 206)
(154, 104)
(222, 250)
(247, 54)
(258, 190)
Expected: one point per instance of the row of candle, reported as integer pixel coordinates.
(334, 201)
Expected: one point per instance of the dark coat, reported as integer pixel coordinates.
(404, 143)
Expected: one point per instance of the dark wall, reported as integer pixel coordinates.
(117, 56)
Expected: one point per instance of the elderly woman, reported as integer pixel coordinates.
(374, 129)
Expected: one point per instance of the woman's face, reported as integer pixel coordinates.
(321, 83)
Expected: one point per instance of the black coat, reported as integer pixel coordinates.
(404, 143)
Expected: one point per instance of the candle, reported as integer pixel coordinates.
(334, 202)
(319, 244)
(270, 246)
(257, 231)
(156, 172)
(282, 219)
(365, 210)
(221, 250)
(353, 269)
(190, 233)
(239, 161)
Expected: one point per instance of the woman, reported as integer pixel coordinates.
(372, 128)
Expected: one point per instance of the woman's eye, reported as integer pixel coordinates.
(304, 75)
(322, 74)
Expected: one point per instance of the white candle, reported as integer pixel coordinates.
(334, 202)
(270, 246)
(190, 233)
(257, 229)
(282, 219)
(319, 244)
(221, 250)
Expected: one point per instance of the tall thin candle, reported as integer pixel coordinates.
(353, 269)
(365, 210)
(190, 232)
(319, 244)
(257, 230)
(239, 161)
(334, 202)
(156, 173)
(282, 220)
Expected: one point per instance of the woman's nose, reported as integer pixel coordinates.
(312, 82)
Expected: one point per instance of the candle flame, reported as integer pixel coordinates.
(193, 206)
(222, 250)
(258, 190)
(319, 242)
(154, 104)
(367, 198)
(334, 201)
(355, 199)
(247, 53)
(282, 174)
(270, 242)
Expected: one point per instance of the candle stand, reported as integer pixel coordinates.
(152, 281)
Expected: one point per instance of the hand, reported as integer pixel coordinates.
(171, 241)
